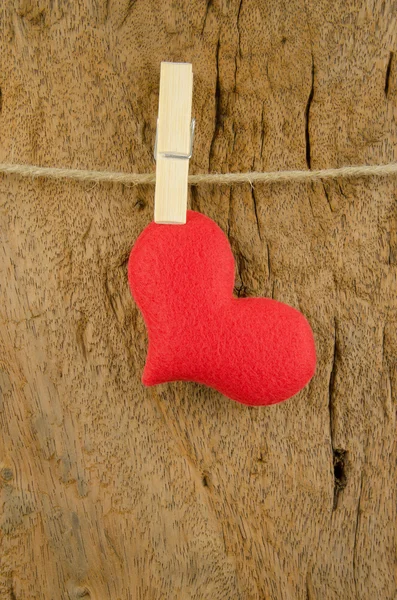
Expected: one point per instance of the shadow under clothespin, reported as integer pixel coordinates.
(174, 142)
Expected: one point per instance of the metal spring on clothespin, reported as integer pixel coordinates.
(174, 142)
(176, 154)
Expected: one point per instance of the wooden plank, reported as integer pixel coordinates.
(112, 491)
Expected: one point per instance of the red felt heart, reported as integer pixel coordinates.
(256, 351)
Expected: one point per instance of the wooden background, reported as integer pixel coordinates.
(113, 491)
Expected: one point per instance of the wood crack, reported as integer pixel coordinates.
(238, 27)
(355, 535)
(256, 211)
(341, 190)
(268, 260)
(307, 119)
(229, 214)
(338, 454)
(217, 104)
(331, 389)
(388, 71)
(340, 480)
(262, 129)
(238, 53)
(327, 196)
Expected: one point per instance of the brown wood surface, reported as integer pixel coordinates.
(113, 491)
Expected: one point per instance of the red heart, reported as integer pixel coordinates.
(255, 350)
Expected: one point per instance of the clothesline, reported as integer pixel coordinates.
(25, 170)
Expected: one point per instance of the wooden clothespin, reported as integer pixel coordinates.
(174, 142)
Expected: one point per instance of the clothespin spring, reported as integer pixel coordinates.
(171, 154)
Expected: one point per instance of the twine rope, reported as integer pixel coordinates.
(25, 170)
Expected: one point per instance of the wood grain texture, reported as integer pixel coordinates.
(113, 491)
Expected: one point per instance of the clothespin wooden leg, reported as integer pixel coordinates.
(174, 142)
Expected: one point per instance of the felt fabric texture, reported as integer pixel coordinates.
(257, 351)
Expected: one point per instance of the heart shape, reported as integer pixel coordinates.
(256, 351)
